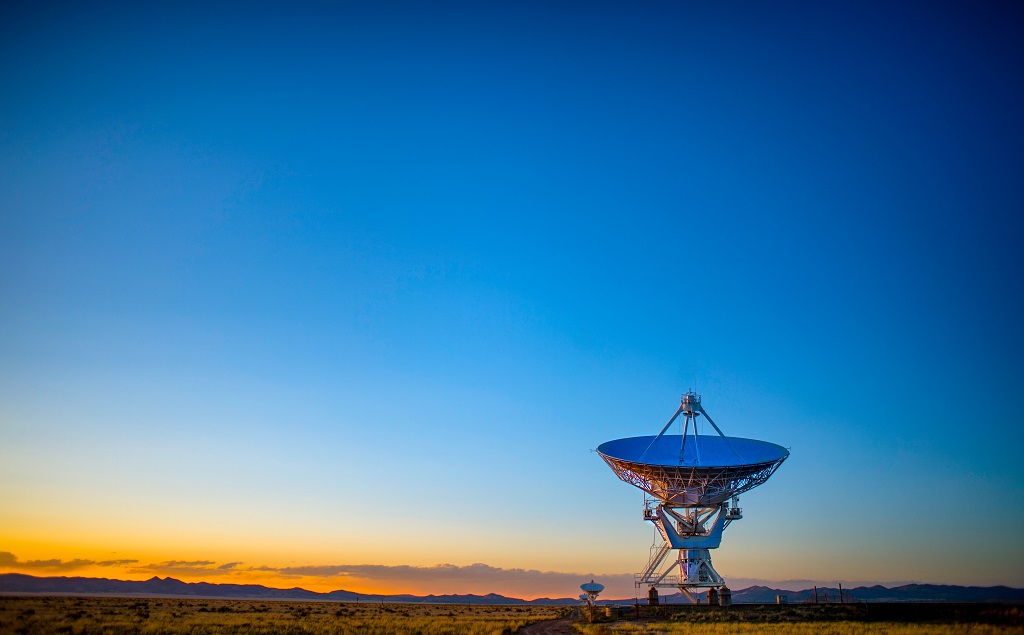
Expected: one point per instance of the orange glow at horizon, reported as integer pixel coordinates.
(30, 559)
(318, 585)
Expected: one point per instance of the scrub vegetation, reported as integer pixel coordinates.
(168, 616)
(819, 619)
(78, 615)
(801, 628)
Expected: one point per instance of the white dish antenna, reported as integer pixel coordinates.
(590, 592)
(693, 478)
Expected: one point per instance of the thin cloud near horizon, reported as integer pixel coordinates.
(440, 574)
(474, 572)
(8, 559)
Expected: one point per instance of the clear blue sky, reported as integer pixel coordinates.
(364, 284)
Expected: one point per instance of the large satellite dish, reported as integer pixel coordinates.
(692, 478)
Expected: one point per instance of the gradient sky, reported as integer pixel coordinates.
(329, 297)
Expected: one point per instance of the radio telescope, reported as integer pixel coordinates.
(590, 591)
(696, 480)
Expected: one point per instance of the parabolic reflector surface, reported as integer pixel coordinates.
(706, 470)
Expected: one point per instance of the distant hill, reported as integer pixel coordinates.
(878, 593)
(11, 583)
(14, 583)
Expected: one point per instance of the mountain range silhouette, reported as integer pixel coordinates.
(16, 583)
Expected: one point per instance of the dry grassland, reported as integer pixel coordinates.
(803, 628)
(823, 619)
(172, 616)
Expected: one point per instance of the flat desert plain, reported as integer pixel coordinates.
(86, 615)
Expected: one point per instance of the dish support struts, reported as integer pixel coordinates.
(690, 532)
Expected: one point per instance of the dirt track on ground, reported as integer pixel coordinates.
(549, 627)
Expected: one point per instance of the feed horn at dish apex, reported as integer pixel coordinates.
(694, 480)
